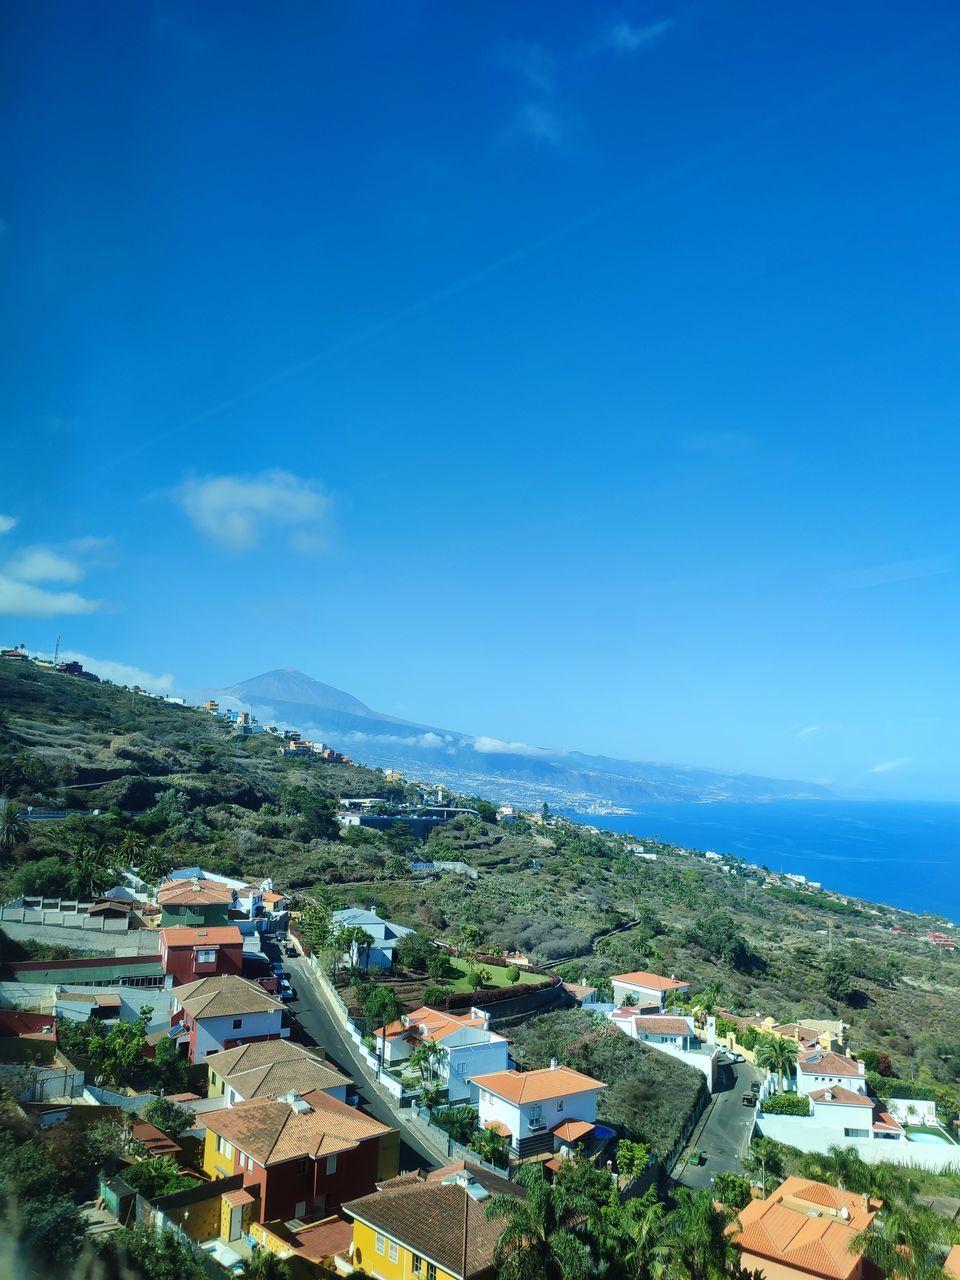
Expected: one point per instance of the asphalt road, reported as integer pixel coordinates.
(319, 1027)
(726, 1132)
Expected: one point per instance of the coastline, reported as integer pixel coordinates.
(898, 854)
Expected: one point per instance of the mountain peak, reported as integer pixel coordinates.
(287, 684)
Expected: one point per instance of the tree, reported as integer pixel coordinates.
(477, 976)
(836, 977)
(155, 1177)
(542, 1235)
(170, 1066)
(356, 944)
(91, 873)
(113, 1054)
(265, 1265)
(472, 938)
(632, 1157)
(131, 848)
(438, 965)
(316, 925)
(724, 940)
(732, 1190)
(415, 952)
(513, 974)
(764, 1160)
(382, 1006)
(149, 1254)
(904, 1241)
(459, 1122)
(154, 864)
(695, 1237)
(492, 1147)
(777, 1055)
(169, 1116)
(13, 828)
(429, 1058)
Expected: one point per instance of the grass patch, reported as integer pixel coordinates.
(498, 977)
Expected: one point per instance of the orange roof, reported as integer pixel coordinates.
(222, 935)
(573, 1130)
(663, 1026)
(270, 896)
(842, 1097)
(829, 1064)
(652, 981)
(497, 1126)
(807, 1226)
(952, 1265)
(430, 1024)
(191, 892)
(236, 1198)
(537, 1086)
(272, 1132)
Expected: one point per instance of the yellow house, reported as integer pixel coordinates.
(217, 1156)
(428, 1228)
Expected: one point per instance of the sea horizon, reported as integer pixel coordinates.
(903, 854)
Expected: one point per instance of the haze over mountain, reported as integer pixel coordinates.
(505, 770)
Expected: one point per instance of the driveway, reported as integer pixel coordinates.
(724, 1130)
(320, 1027)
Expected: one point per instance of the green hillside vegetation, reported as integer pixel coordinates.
(234, 805)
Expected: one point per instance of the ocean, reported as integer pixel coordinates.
(905, 855)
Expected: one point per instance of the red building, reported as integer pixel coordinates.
(189, 954)
(302, 1155)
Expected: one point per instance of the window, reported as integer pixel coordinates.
(331, 1164)
(431, 1271)
(536, 1115)
(381, 1243)
(461, 1068)
(559, 1104)
(237, 1024)
(300, 1209)
(394, 1251)
(206, 955)
(416, 1264)
(856, 1133)
(224, 1148)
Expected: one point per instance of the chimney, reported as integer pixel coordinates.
(865, 1202)
(553, 1064)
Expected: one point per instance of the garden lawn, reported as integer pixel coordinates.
(498, 977)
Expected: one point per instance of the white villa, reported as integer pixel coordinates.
(673, 1035)
(818, 1070)
(645, 990)
(529, 1107)
(471, 1047)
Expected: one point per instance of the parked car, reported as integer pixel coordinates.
(734, 1056)
(281, 935)
(286, 990)
(750, 1099)
(290, 949)
(277, 968)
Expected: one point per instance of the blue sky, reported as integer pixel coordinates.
(585, 376)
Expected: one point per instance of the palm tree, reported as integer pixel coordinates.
(643, 1218)
(90, 869)
(429, 1058)
(763, 1158)
(154, 865)
(777, 1055)
(541, 1236)
(13, 828)
(695, 1239)
(264, 1265)
(131, 847)
(903, 1242)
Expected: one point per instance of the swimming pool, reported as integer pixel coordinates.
(928, 1137)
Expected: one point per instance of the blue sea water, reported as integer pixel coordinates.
(906, 855)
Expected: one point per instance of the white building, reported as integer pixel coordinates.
(822, 1069)
(672, 1035)
(249, 892)
(471, 1047)
(646, 990)
(527, 1107)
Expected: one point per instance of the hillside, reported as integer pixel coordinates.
(233, 804)
(503, 770)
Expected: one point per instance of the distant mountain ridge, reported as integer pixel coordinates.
(504, 770)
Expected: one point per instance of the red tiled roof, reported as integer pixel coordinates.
(651, 981)
(220, 935)
(842, 1097)
(573, 1130)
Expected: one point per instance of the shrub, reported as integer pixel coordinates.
(513, 974)
(435, 995)
(732, 1190)
(787, 1104)
(461, 1123)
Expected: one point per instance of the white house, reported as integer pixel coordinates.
(647, 990)
(471, 1047)
(385, 935)
(823, 1069)
(214, 1014)
(669, 1034)
(846, 1117)
(528, 1107)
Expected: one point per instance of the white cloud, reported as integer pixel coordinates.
(236, 511)
(888, 766)
(7, 523)
(34, 602)
(41, 564)
(624, 37)
(807, 730)
(118, 672)
(879, 575)
(496, 746)
(541, 123)
(531, 61)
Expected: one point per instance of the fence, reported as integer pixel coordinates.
(420, 1119)
(125, 1101)
(32, 1082)
(669, 1161)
